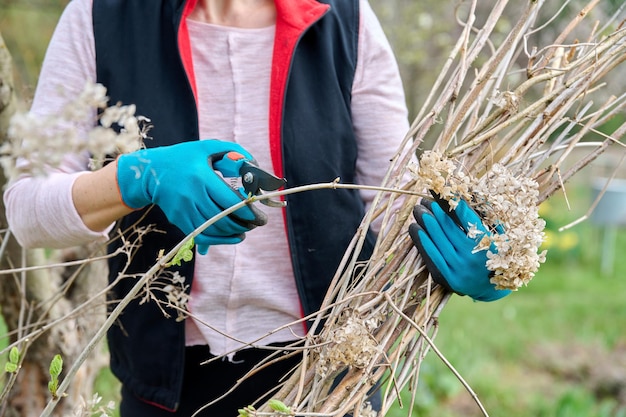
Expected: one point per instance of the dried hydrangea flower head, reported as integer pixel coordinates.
(349, 343)
(367, 410)
(441, 175)
(39, 143)
(512, 202)
(509, 207)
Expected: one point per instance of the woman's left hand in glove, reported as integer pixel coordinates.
(441, 236)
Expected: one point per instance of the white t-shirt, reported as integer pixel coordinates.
(245, 290)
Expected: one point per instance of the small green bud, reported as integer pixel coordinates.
(14, 361)
(279, 406)
(14, 355)
(53, 386)
(248, 411)
(56, 366)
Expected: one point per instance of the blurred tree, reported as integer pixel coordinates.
(27, 26)
(420, 38)
(422, 33)
(32, 299)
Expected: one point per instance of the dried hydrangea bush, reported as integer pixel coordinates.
(504, 138)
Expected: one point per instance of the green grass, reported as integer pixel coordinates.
(108, 387)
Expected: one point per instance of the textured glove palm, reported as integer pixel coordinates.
(181, 180)
(443, 241)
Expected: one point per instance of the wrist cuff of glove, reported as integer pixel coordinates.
(125, 177)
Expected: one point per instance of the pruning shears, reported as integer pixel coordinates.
(255, 180)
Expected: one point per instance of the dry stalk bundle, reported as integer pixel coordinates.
(505, 150)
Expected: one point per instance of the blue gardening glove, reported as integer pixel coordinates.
(182, 181)
(441, 238)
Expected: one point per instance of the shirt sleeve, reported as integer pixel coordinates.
(379, 111)
(40, 210)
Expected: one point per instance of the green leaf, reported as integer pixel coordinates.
(10, 367)
(185, 253)
(187, 256)
(279, 406)
(56, 366)
(14, 355)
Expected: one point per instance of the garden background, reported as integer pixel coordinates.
(555, 348)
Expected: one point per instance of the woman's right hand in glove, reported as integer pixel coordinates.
(181, 180)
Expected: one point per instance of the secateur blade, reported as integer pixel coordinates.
(256, 180)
